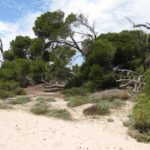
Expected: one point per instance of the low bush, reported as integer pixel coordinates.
(97, 109)
(141, 114)
(10, 89)
(40, 109)
(140, 137)
(60, 113)
(20, 100)
(116, 103)
(45, 99)
(4, 106)
(75, 91)
(75, 101)
(5, 94)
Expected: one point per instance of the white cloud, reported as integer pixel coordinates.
(9, 31)
(108, 14)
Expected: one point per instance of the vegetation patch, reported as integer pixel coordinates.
(110, 120)
(60, 113)
(40, 109)
(76, 91)
(20, 100)
(140, 137)
(75, 101)
(45, 99)
(4, 106)
(10, 89)
(97, 109)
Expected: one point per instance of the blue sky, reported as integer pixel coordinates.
(17, 16)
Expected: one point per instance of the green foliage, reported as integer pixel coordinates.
(15, 70)
(5, 94)
(97, 72)
(97, 109)
(37, 48)
(8, 55)
(147, 81)
(75, 91)
(130, 48)
(45, 99)
(75, 101)
(19, 44)
(60, 113)
(62, 55)
(38, 68)
(141, 114)
(101, 53)
(58, 73)
(50, 25)
(20, 100)
(10, 89)
(40, 108)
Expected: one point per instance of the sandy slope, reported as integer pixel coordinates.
(20, 130)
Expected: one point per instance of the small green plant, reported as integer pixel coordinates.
(97, 109)
(140, 137)
(80, 91)
(5, 94)
(40, 109)
(45, 99)
(141, 114)
(4, 106)
(116, 103)
(75, 101)
(110, 120)
(20, 100)
(60, 113)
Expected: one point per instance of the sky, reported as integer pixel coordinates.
(17, 16)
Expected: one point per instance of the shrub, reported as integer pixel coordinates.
(20, 100)
(5, 94)
(4, 106)
(97, 109)
(75, 101)
(9, 89)
(147, 85)
(45, 99)
(140, 137)
(110, 120)
(38, 68)
(141, 114)
(75, 91)
(60, 113)
(116, 103)
(9, 85)
(40, 109)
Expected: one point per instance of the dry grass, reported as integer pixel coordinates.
(97, 109)
(60, 113)
(19, 100)
(40, 108)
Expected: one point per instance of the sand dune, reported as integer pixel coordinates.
(20, 130)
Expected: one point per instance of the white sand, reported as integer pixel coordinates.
(23, 131)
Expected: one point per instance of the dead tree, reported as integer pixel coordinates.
(129, 78)
(1, 49)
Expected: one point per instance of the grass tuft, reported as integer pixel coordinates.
(60, 113)
(40, 108)
(97, 109)
(20, 100)
(45, 99)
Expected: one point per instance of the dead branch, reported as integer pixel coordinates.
(129, 78)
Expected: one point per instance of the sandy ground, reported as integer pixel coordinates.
(20, 130)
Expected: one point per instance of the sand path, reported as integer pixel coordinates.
(20, 130)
